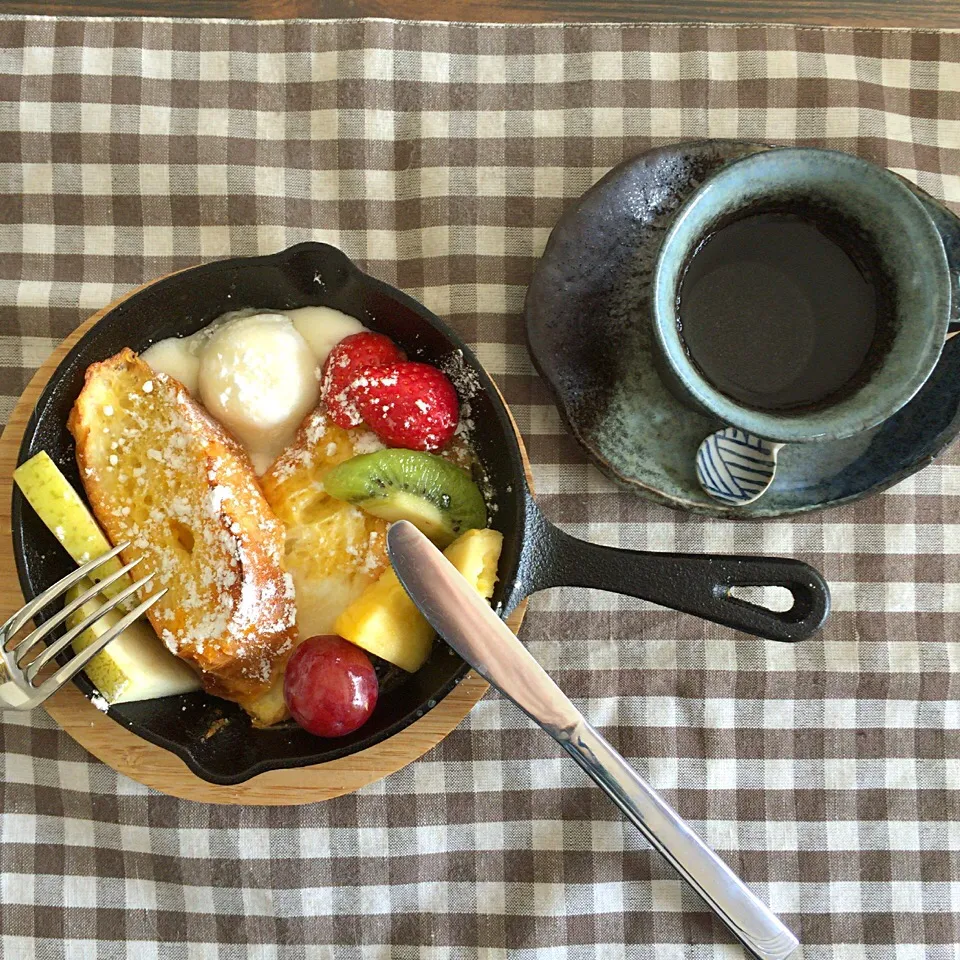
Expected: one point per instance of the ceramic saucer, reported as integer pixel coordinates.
(588, 328)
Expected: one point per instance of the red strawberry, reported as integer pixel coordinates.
(347, 360)
(410, 405)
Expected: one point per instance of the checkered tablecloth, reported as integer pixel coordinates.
(439, 157)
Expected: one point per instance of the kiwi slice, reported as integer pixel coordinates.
(425, 489)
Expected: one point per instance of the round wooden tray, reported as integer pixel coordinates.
(157, 768)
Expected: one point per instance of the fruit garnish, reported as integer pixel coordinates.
(346, 361)
(410, 405)
(330, 686)
(386, 622)
(476, 554)
(134, 666)
(437, 497)
(59, 506)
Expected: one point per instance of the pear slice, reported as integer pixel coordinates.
(59, 506)
(134, 666)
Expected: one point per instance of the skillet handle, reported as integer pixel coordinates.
(691, 583)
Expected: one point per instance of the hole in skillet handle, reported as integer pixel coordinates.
(777, 599)
(708, 586)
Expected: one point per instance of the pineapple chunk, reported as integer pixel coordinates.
(476, 555)
(135, 665)
(59, 506)
(385, 621)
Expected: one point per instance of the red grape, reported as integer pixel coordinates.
(330, 686)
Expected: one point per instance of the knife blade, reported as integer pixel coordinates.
(465, 620)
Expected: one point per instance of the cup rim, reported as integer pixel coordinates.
(829, 422)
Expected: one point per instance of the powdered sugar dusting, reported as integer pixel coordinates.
(466, 423)
(487, 491)
(461, 374)
(366, 441)
(99, 702)
(466, 381)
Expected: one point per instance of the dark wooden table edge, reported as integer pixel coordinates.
(933, 16)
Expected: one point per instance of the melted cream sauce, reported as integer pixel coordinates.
(256, 372)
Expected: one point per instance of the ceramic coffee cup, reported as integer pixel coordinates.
(911, 259)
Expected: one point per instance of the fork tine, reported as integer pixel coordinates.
(71, 669)
(35, 665)
(30, 640)
(51, 593)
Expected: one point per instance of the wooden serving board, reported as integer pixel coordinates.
(155, 767)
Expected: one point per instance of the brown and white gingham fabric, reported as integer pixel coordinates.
(439, 156)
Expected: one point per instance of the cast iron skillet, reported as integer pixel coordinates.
(536, 555)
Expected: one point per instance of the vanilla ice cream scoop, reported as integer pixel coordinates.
(259, 378)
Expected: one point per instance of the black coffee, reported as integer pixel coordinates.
(776, 313)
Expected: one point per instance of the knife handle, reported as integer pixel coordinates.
(750, 920)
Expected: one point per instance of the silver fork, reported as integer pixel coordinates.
(20, 689)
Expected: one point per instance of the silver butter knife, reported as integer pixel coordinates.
(464, 619)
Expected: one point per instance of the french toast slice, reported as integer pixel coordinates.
(333, 550)
(160, 472)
